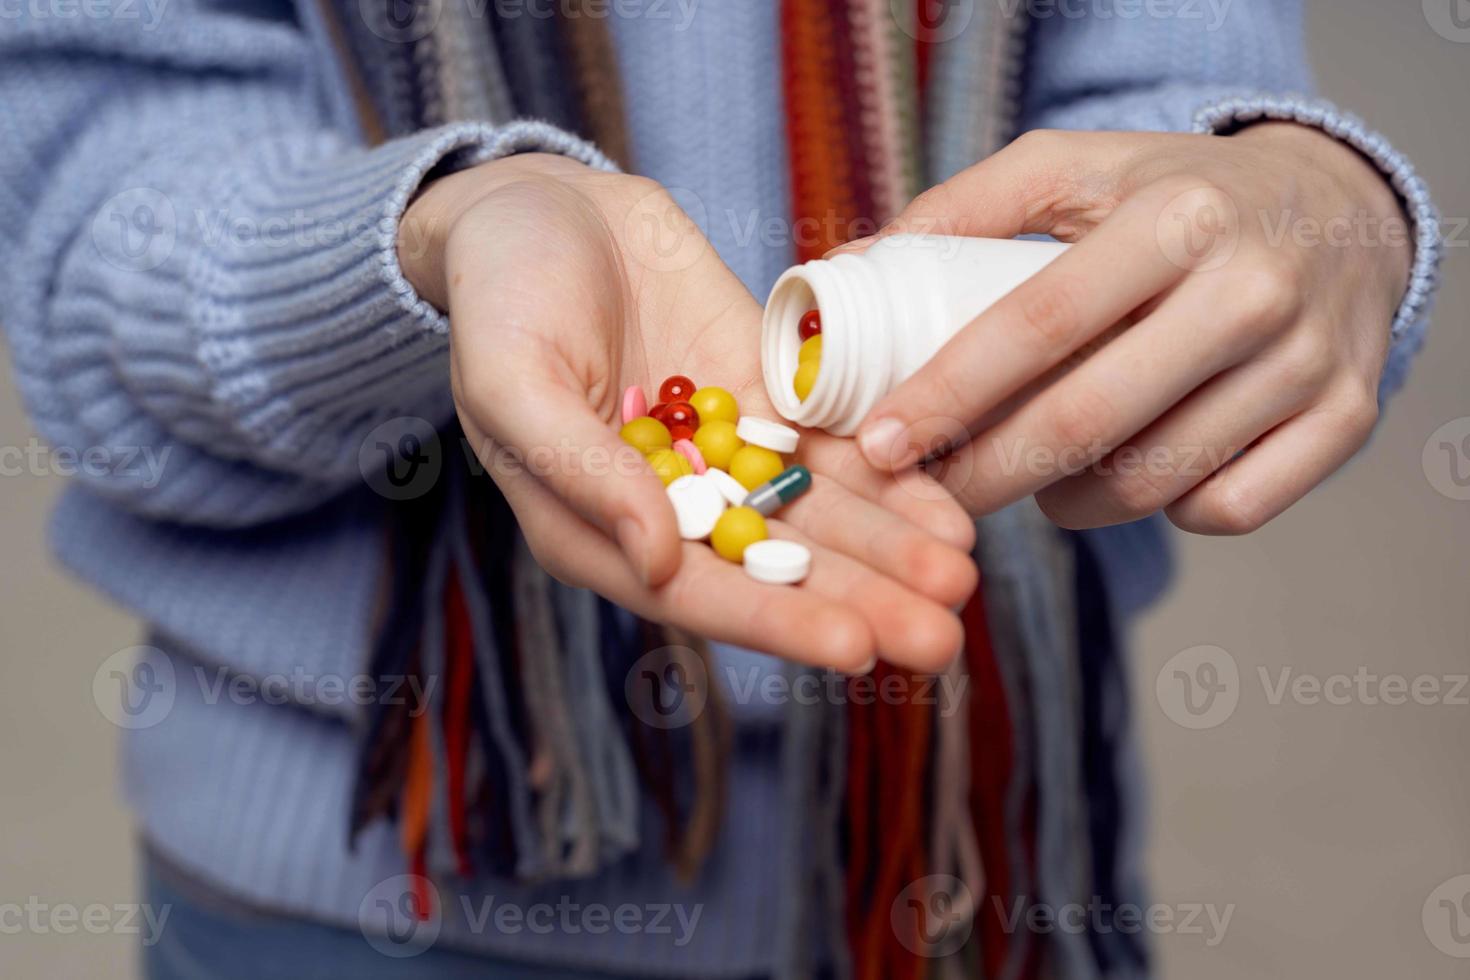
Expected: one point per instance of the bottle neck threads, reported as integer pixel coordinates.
(857, 341)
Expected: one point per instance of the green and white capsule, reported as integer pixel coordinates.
(774, 494)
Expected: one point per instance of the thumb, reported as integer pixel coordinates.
(1023, 189)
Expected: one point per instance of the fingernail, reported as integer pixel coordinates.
(865, 669)
(635, 545)
(877, 442)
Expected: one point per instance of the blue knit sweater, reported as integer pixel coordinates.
(197, 260)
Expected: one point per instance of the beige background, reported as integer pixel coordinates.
(1324, 827)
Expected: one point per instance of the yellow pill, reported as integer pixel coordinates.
(715, 405)
(806, 377)
(669, 465)
(717, 442)
(811, 350)
(646, 434)
(737, 529)
(753, 465)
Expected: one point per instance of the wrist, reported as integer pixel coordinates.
(429, 221)
(1386, 225)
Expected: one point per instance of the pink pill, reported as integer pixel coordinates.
(635, 406)
(691, 452)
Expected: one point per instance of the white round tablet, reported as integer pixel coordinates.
(698, 504)
(730, 488)
(771, 435)
(777, 561)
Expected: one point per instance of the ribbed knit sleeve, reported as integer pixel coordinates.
(1215, 67)
(198, 267)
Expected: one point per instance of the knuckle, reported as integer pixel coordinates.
(1222, 509)
(1051, 312)
(929, 213)
(1359, 410)
(1195, 196)
(952, 394)
(1068, 505)
(1080, 416)
(1039, 141)
(1140, 494)
(1305, 366)
(1267, 294)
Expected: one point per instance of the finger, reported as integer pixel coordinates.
(1179, 451)
(1031, 186)
(1280, 469)
(1038, 325)
(707, 596)
(886, 543)
(913, 494)
(909, 630)
(558, 438)
(1114, 394)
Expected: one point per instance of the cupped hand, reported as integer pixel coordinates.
(1238, 292)
(564, 285)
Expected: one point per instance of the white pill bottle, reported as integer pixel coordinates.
(885, 312)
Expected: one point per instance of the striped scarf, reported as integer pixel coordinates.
(517, 770)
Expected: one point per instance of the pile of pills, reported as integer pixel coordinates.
(809, 357)
(724, 474)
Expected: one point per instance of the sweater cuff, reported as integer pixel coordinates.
(1233, 114)
(449, 149)
(301, 343)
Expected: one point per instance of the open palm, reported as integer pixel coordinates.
(565, 286)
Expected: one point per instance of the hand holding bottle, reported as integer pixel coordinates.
(1251, 369)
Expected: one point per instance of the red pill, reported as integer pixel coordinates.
(676, 388)
(658, 411)
(677, 432)
(810, 325)
(680, 413)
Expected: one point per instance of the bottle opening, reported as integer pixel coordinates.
(826, 286)
(790, 300)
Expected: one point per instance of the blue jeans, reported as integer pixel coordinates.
(209, 936)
